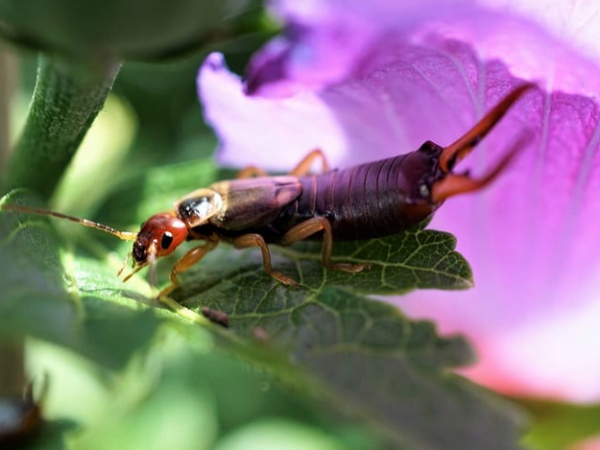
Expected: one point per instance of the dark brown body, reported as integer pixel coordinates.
(367, 201)
(371, 200)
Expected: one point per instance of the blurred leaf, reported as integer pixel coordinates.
(131, 29)
(191, 425)
(92, 38)
(557, 426)
(275, 434)
(40, 298)
(49, 436)
(185, 398)
(100, 158)
(31, 275)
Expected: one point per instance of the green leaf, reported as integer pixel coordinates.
(416, 259)
(370, 360)
(41, 298)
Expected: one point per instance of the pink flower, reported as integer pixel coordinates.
(367, 80)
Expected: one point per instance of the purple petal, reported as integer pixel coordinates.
(252, 130)
(326, 41)
(531, 238)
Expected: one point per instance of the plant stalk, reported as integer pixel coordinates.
(68, 95)
(8, 79)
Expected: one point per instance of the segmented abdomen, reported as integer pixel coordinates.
(366, 201)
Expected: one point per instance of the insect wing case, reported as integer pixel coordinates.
(237, 205)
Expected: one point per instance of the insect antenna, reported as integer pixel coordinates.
(124, 235)
(459, 149)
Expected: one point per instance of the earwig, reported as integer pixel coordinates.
(21, 418)
(367, 201)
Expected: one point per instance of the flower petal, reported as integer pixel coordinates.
(327, 41)
(254, 130)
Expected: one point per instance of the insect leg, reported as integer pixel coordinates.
(303, 167)
(250, 172)
(311, 226)
(185, 262)
(256, 240)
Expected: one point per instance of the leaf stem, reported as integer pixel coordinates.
(68, 95)
(184, 312)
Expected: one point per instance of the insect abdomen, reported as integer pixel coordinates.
(367, 201)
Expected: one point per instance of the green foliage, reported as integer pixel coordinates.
(40, 298)
(132, 29)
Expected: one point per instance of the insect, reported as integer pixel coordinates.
(20, 419)
(367, 201)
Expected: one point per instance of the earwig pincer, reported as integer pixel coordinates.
(21, 418)
(367, 201)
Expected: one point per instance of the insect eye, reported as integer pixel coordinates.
(166, 240)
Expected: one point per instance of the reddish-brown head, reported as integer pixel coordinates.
(159, 236)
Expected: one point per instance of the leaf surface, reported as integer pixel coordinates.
(359, 355)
